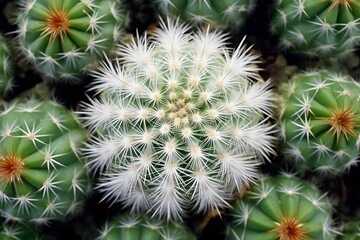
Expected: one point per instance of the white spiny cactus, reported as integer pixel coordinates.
(180, 125)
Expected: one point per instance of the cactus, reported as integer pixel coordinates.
(64, 38)
(17, 231)
(6, 66)
(281, 207)
(41, 175)
(130, 226)
(319, 121)
(328, 28)
(227, 13)
(180, 125)
(350, 230)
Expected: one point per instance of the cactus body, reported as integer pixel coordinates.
(180, 125)
(328, 28)
(132, 226)
(6, 66)
(41, 176)
(281, 207)
(17, 231)
(64, 37)
(320, 121)
(228, 13)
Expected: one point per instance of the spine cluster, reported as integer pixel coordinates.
(180, 125)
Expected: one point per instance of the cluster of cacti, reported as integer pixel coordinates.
(328, 28)
(282, 207)
(41, 175)
(179, 126)
(64, 38)
(132, 226)
(350, 230)
(17, 231)
(319, 121)
(6, 66)
(225, 13)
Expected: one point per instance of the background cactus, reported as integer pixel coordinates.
(17, 231)
(41, 175)
(328, 28)
(229, 13)
(64, 37)
(281, 207)
(350, 230)
(132, 226)
(6, 66)
(320, 121)
(180, 126)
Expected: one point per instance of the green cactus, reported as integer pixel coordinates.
(41, 175)
(63, 38)
(327, 28)
(17, 231)
(319, 121)
(281, 207)
(350, 230)
(224, 13)
(6, 66)
(132, 226)
(180, 126)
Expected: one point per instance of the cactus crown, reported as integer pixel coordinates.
(183, 117)
(11, 168)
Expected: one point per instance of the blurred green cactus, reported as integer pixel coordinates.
(132, 226)
(41, 175)
(224, 13)
(281, 207)
(6, 66)
(350, 230)
(17, 231)
(319, 121)
(327, 28)
(63, 38)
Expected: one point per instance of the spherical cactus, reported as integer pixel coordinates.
(225, 13)
(6, 66)
(328, 28)
(319, 121)
(350, 230)
(17, 231)
(180, 125)
(130, 226)
(41, 175)
(63, 38)
(281, 207)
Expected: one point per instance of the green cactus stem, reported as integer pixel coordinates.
(41, 175)
(319, 121)
(327, 28)
(64, 38)
(6, 66)
(281, 207)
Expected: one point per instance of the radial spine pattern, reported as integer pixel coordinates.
(63, 38)
(180, 125)
(319, 121)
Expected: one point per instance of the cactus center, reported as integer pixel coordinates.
(290, 228)
(342, 121)
(56, 24)
(11, 168)
(179, 110)
(344, 3)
